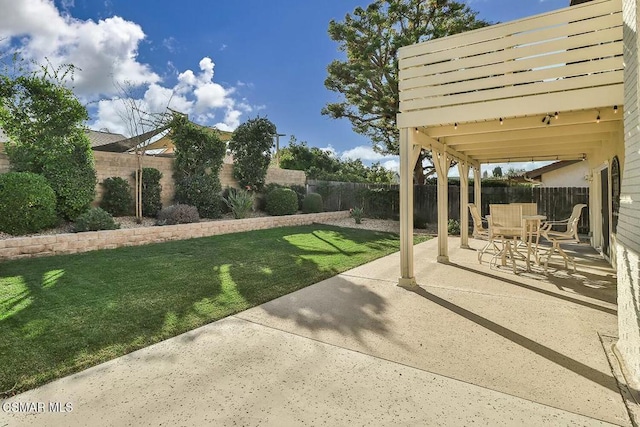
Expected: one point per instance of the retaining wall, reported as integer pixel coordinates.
(70, 243)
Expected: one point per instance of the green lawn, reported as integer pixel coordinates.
(62, 314)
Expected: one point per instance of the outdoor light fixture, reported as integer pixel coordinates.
(548, 120)
(615, 109)
(544, 119)
(598, 118)
(455, 125)
(556, 115)
(501, 122)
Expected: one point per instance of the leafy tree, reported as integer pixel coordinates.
(368, 78)
(497, 172)
(251, 147)
(513, 172)
(323, 165)
(198, 158)
(312, 160)
(44, 122)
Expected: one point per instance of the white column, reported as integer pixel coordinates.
(441, 163)
(406, 209)
(463, 170)
(477, 188)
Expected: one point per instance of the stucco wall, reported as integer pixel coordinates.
(123, 165)
(568, 176)
(628, 236)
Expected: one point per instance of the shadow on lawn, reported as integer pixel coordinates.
(62, 314)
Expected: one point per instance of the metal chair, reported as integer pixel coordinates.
(506, 226)
(567, 235)
(480, 232)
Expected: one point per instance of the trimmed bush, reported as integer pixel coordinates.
(95, 219)
(27, 203)
(282, 201)
(312, 203)
(116, 196)
(151, 192)
(73, 178)
(178, 214)
(203, 192)
(301, 192)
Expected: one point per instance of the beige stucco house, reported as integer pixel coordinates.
(564, 173)
(558, 86)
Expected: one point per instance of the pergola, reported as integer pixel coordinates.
(547, 87)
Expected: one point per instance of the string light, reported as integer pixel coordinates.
(598, 118)
(615, 109)
(556, 115)
(455, 125)
(501, 122)
(584, 157)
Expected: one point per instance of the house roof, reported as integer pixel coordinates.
(537, 173)
(102, 141)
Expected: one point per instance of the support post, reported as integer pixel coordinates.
(463, 169)
(477, 188)
(407, 278)
(441, 163)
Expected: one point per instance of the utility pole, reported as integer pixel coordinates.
(278, 135)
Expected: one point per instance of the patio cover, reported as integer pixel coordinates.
(547, 87)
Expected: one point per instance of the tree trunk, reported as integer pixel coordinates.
(418, 171)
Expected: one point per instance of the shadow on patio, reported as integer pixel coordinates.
(527, 335)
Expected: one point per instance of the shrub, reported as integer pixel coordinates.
(116, 196)
(357, 214)
(251, 147)
(73, 178)
(203, 192)
(27, 203)
(453, 227)
(151, 192)
(282, 201)
(240, 202)
(301, 192)
(178, 214)
(95, 219)
(312, 203)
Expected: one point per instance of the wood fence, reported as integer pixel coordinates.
(382, 201)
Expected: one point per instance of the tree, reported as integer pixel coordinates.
(251, 145)
(368, 78)
(513, 172)
(45, 125)
(497, 172)
(199, 156)
(141, 125)
(323, 165)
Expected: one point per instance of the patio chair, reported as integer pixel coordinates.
(528, 208)
(480, 232)
(568, 234)
(506, 226)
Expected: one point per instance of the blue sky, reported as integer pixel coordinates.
(222, 61)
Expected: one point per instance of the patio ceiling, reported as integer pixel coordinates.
(571, 136)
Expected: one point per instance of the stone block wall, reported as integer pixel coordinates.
(70, 243)
(123, 165)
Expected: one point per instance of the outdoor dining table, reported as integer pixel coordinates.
(532, 227)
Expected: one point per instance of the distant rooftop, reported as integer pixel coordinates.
(101, 139)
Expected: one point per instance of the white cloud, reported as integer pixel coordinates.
(392, 165)
(329, 149)
(102, 51)
(364, 153)
(105, 54)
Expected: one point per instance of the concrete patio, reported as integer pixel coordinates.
(469, 345)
